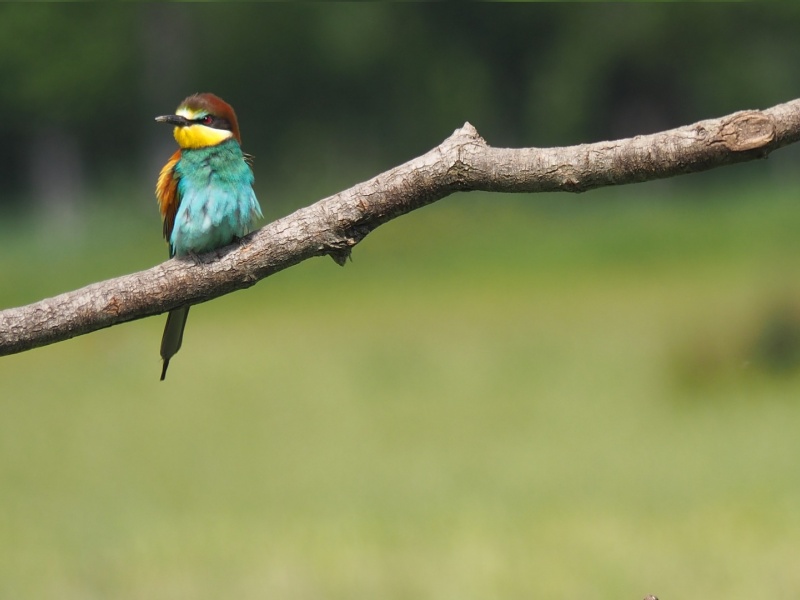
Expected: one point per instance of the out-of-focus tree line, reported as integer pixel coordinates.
(331, 94)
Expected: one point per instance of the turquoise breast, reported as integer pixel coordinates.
(218, 203)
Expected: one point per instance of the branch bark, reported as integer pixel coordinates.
(332, 226)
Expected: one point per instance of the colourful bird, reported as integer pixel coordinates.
(205, 191)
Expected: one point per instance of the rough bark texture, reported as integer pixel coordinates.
(332, 226)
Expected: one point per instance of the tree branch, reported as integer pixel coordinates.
(332, 226)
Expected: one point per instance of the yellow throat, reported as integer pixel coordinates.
(197, 135)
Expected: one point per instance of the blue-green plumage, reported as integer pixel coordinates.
(205, 191)
(218, 205)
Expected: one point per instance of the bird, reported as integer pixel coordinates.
(204, 191)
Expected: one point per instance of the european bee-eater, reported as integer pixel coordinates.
(205, 191)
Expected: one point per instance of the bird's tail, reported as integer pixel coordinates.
(173, 336)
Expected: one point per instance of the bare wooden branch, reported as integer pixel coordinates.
(332, 226)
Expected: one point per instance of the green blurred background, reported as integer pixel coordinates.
(501, 396)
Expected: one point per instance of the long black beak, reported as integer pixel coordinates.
(176, 120)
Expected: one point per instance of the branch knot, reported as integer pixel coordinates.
(747, 131)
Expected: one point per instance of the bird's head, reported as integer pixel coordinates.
(203, 120)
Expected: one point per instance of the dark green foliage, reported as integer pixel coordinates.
(343, 91)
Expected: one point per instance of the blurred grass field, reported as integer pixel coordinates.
(500, 397)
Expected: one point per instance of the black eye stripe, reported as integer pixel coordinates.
(214, 122)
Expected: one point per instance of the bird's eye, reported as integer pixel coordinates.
(207, 120)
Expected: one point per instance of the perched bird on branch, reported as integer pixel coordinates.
(205, 191)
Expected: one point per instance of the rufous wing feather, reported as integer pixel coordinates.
(167, 194)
